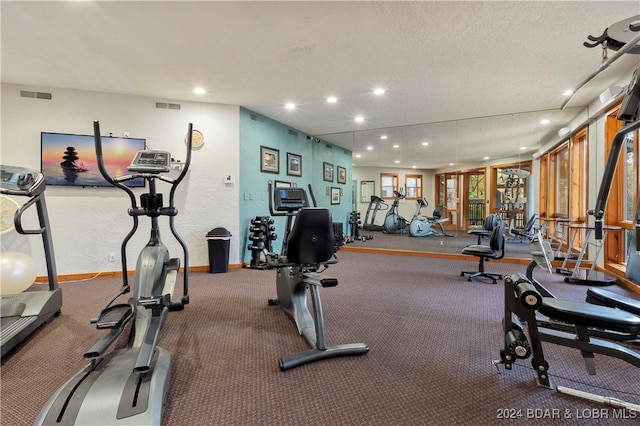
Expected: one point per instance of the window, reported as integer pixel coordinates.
(388, 184)
(629, 187)
(561, 182)
(474, 198)
(569, 178)
(557, 191)
(544, 185)
(579, 177)
(623, 195)
(413, 186)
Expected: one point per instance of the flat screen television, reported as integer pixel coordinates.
(70, 160)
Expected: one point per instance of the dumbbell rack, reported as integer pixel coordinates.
(260, 239)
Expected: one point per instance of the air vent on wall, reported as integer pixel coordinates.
(36, 95)
(166, 105)
(293, 132)
(256, 117)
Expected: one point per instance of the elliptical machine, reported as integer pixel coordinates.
(424, 227)
(308, 244)
(129, 386)
(393, 222)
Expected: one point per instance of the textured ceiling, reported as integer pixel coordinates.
(441, 62)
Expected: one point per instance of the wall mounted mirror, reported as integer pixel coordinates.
(461, 164)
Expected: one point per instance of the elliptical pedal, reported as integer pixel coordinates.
(173, 265)
(114, 316)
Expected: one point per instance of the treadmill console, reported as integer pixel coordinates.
(148, 161)
(21, 181)
(290, 199)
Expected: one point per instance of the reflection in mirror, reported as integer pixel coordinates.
(461, 165)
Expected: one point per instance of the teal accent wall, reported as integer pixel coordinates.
(256, 131)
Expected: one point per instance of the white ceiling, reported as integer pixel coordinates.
(448, 65)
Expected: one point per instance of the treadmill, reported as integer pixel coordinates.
(375, 205)
(24, 312)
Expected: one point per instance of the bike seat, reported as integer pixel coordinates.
(586, 314)
(599, 296)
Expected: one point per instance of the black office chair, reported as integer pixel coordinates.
(487, 227)
(495, 250)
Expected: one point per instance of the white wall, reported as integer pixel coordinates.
(89, 223)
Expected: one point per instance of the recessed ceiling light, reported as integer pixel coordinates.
(383, 137)
(425, 143)
(413, 167)
(397, 161)
(369, 148)
(567, 93)
(522, 148)
(199, 91)
(452, 164)
(358, 155)
(332, 99)
(396, 146)
(359, 119)
(545, 121)
(379, 91)
(290, 106)
(485, 158)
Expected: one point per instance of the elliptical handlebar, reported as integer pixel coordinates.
(313, 197)
(152, 211)
(118, 181)
(103, 171)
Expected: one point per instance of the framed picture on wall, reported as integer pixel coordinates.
(328, 172)
(294, 164)
(335, 196)
(342, 175)
(269, 160)
(282, 184)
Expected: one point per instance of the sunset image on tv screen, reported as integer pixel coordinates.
(71, 159)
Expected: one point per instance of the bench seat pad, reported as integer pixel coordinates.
(615, 300)
(583, 313)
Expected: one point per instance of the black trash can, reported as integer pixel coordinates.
(219, 240)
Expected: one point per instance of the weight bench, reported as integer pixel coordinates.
(598, 296)
(522, 301)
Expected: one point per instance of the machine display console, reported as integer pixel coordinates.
(21, 181)
(151, 162)
(290, 199)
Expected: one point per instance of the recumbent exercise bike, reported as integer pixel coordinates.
(309, 243)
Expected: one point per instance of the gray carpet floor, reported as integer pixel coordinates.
(433, 339)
